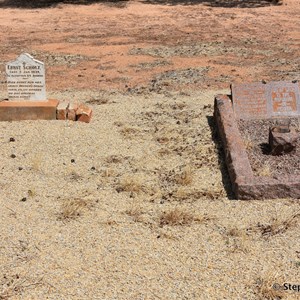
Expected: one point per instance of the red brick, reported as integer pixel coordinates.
(28, 110)
(62, 110)
(84, 113)
(71, 111)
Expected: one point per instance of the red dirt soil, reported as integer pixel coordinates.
(126, 45)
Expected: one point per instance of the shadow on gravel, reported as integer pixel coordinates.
(218, 3)
(222, 164)
(52, 3)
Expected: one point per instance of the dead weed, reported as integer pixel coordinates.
(130, 183)
(72, 209)
(268, 287)
(185, 177)
(13, 285)
(238, 240)
(179, 216)
(130, 131)
(135, 211)
(277, 225)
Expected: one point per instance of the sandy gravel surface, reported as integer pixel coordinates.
(85, 216)
(137, 204)
(255, 135)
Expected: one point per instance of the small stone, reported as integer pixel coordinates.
(20, 168)
(24, 199)
(12, 139)
(93, 168)
(13, 156)
(72, 160)
(282, 139)
(119, 189)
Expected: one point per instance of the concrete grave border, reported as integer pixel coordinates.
(44, 110)
(244, 183)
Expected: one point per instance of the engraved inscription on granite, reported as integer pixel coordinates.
(270, 100)
(285, 99)
(250, 100)
(26, 79)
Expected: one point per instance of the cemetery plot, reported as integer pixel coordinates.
(259, 129)
(26, 88)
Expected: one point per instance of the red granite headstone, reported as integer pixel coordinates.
(270, 100)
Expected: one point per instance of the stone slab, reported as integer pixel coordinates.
(245, 185)
(276, 99)
(26, 79)
(29, 110)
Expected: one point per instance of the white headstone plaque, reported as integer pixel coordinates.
(26, 79)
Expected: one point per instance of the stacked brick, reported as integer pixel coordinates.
(73, 112)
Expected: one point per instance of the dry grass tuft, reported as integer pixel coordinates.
(130, 132)
(98, 101)
(265, 287)
(278, 225)
(186, 177)
(163, 152)
(130, 183)
(179, 216)
(13, 286)
(135, 211)
(237, 240)
(235, 232)
(108, 172)
(72, 208)
(176, 217)
(114, 159)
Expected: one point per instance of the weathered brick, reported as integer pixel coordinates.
(62, 110)
(84, 113)
(71, 111)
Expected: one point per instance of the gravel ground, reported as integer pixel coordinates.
(137, 204)
(256, 134)
(134, 206)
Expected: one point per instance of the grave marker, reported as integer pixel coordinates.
(263, 101)
(27, 95)
(26, 79)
